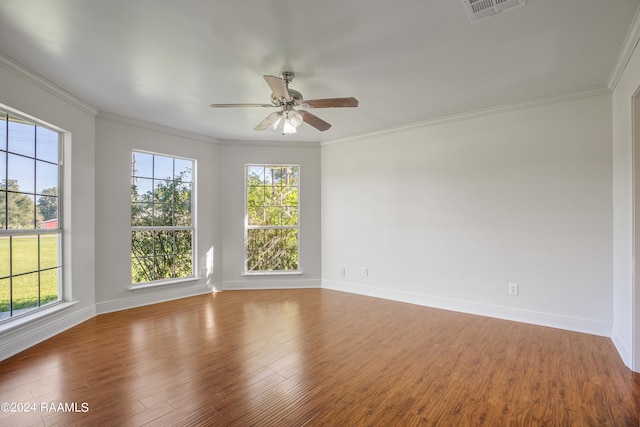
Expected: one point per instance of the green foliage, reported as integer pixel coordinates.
(161, 254)
(20, 209)
(20, 206)
(48, 204)
(272, 215)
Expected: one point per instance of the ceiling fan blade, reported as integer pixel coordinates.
(329, 103)
(271, 121)
(278, 87)
(315, 121)
(240, 105)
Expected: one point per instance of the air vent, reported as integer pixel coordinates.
(480, 9)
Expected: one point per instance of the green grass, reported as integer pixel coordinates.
(24, 262)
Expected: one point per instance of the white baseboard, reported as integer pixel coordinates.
(141, 298)
(267, 283)
(33, 332)
(534, 318)
(623, 347)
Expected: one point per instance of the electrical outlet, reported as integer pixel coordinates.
(513, 289)
(343, 272)
(365, 271)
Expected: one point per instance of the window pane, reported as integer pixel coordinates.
(256, 216)
(183, 242)
(162, 167)
(47, 145)
(142, 165)
(142, 190)
(46, 177)
(273, 175)
(49, 251)
(3, 171)
(272, 215)
(289, 215)
(24, 254)
(48, 210)
(162, 215)
(184, 267)
(141, 214)
(21, 173)
(22, 137)
(3, 213)
(163, 191)
(290, 239)
(20, 211)
(49, 286)
(182, 205)
(183, 170)
(163, 267)
(255, 175)
(141, 243)
(293, 175)
(4, 256)
(290, 196)
(3, 132)
(164, 242)
(141, 269)
(25, 292)
(255, 245)
(5, 298)
(255, 196)
(141, 263)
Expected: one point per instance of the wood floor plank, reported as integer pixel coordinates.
(314, 357)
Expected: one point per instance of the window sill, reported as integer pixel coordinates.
(273, 273)
(163, 283)
(31, 317)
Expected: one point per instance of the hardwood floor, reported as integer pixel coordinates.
(316, 358)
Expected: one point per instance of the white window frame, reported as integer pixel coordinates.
(41, 309)
(248, 227)
(192, 228)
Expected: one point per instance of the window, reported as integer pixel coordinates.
(162, 225)
(30, 221)
(272, 218)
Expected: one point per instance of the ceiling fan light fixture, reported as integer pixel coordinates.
(288, 127)
(292, 119)
(274, 124)
(295, 118)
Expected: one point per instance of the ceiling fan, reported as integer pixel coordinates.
(286, 99)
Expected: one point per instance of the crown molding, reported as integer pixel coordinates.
(155, 127)
(538, 102)
(270, 144)
(628, 46)
(47, 85)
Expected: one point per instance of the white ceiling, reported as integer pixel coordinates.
(407, 61)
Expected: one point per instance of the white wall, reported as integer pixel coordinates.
(116, 137)
(626, 299)
(235, 156)
(29, 94)
(448, 215)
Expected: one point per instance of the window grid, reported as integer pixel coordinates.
(272, 218)
(162, 232)
(30, 216)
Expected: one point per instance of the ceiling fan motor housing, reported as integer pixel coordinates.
(296, 98)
